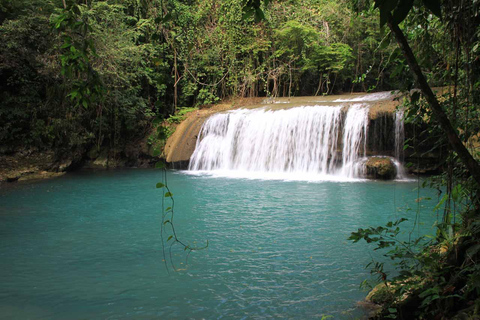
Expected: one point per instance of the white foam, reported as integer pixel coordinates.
(369, 97)
(302, 140)
(282, 176)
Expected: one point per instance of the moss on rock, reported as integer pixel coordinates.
(380, 168)
(380, 294)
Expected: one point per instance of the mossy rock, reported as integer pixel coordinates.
(380, 168)
(380, 294)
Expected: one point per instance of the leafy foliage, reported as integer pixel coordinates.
(96, 73)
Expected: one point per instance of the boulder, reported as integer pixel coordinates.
(382, 293)
(380, 168)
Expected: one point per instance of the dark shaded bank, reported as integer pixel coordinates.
(32, 164)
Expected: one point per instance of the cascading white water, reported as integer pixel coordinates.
(303, 140)
(300, 140)
(309, 142)
(354, 140)
(399, 142)
(399, 134)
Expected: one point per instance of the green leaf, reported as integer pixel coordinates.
(166, 221)
(168, 209)
(168, 194)
(457, 193)
(439, 204)
(73, 94)
(169, 238)
(59, 21)
(156, 152)
(160, 185)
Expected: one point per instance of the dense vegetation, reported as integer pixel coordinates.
(86, 74)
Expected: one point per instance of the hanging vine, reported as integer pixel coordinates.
(168, 233)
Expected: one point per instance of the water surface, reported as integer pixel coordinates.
(88, 246)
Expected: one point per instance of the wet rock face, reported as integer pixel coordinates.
(381, 134)
(380, 168)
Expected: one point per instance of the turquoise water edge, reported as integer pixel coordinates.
(88, 246)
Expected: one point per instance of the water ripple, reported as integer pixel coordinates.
(90, 248)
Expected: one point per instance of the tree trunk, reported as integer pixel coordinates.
(290, 83)
(320, 81)
(470, 163)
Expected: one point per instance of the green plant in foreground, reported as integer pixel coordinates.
(167, 228)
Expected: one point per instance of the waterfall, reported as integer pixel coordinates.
(399, 134)
(325, 141)
(302, 140)
(399, 142)
(354, 140)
